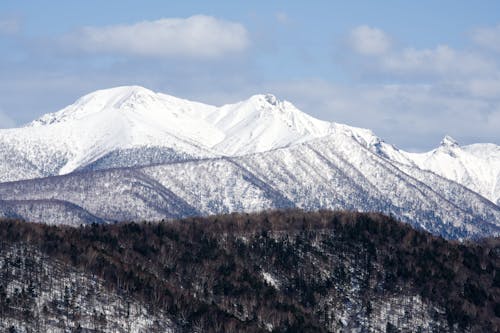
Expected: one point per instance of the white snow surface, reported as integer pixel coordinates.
(134, 117)
(126, 117)
(247, 156)
(131, 116)
(475, 166)
(271, 280)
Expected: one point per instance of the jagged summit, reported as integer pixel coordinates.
(140, 99)
(264, 100)
(267, 103)
(448, 141)
(475, 166)
(260, 123)
(271, 99)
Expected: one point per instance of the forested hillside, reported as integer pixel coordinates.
(280, 271)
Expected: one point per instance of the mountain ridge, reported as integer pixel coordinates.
(328, 173)
(135, 118)
(165, 157)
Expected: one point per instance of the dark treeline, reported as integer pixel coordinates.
(212, 274)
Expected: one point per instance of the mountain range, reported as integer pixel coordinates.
(129, 153)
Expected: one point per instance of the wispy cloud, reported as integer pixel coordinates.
(488, 37)
(442, 61)
(197, 36)
(282, 17)
(369, 41)
(9, 26)
(414, 116)
(427, 91)
(488, 88)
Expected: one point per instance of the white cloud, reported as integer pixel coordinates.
(282, 17)
(377, 57)
(9, 26)
(487, 88)
(435, 91)
(488, 37)
(369, 41)
(441, 61)
(197, 36)
(412, 116)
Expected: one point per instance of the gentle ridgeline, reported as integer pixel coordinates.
(280, 271)
(130, 154)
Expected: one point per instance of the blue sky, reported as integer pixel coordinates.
(410, 71)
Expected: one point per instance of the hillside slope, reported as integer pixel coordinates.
(335, 172)
(276, 271)
(475, 166)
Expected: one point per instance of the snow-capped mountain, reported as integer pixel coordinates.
(258, 124)
(475, 166)
(184, 158)
(129, 126)
(116, 121)
(111, 128)
(334, 172)
(263, 123)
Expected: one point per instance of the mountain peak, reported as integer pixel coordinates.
(265, 100)
(117, 95)
(132, 89)
(448, 141)
(121, 98)
(271, 99)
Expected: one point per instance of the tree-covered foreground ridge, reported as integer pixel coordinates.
(275, 271)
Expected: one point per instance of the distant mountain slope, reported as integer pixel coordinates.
(130, 126)
(133, 154)
(133, 126)
(475, 166)
(335, 172)
(48, 211)
(100, 124)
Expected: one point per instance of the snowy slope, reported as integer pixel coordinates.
(335, 172)
(263, 123)
(47, 211)
(475, 166)
(180, 158)
(133, 126)
(99, 124)
(258, 124)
